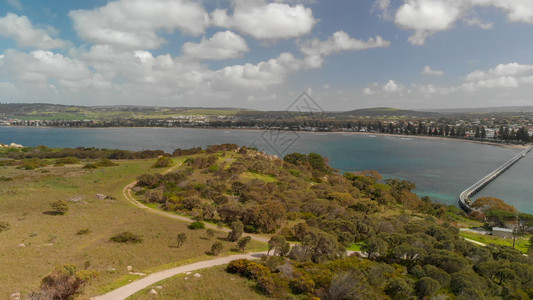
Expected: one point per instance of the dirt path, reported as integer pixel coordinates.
(134, 287)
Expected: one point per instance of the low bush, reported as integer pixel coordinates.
(83, 231)
(67, 161)
(196, 225)
(127, 237)
(4, 226)
(162, 162)
(90, 166)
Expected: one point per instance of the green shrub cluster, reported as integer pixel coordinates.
(197, 225)
(127, 237)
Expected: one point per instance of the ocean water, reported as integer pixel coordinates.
(441, 169)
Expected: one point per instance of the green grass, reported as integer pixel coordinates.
(24, 200)
(215, 283)
(247, 176)
(356, 246)
(522, 244)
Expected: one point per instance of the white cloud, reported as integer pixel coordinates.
(428, 71)
(517, 10)
(267, 21)
(340, 41)
(15, 4)
(502, 76)
(25, 34)
(315, 49)
(384, 7)
(393, 87)
(261, 75)
(134, 24)
(222, 45)
(479, 23)
(427, 17)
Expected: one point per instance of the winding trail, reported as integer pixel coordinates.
(134, 287)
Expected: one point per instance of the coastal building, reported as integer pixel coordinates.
(505, 233)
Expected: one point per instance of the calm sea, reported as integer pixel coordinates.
(441, 169)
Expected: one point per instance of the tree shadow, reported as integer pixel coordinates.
(53, 213)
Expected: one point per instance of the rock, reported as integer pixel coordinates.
(129, 268)
(159, 287)
(22, 245)
(15, 296)
(186, 278)
(137, 273)
(100, 196)
(111, 270)
(197, 275)
(188, 273)
(153, 292)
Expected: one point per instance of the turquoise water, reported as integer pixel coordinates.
(441, 169)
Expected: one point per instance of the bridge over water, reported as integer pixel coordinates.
(464, 198)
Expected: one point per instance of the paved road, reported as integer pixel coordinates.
(134, 287)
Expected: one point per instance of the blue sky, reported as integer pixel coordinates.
(262, 54)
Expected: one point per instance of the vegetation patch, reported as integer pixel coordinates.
(127, 237)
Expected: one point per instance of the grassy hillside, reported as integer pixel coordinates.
(39, 240)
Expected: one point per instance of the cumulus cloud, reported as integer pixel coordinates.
(428, 71)
(222, 45)
(268, 21)
(392, 87)
(502, 76)
(25, 34)
(45, 68)
(316, 50)
(427, 17)
(134, 24)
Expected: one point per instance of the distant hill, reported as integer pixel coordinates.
(483, 110)
(387, 112)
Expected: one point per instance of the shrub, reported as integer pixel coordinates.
(127, 237)
(427, 287)
(90, 166)
(216, 248)
(83, 231)
(60, 207)
(196, 225)
(255, 270)
(5, 179)
(237, 266)
(4, 226)
(250, 229)
(67, 161)
(272, 286)
(182, 237)
(210, 233)
(104, 162)
(162, 162)
(302, 285)
(63, 283)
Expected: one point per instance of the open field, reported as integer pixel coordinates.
(51, 240)
(214, 283)
(522, 244)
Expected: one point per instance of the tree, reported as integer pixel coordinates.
(216, 248)
(242, 243)
(60, 207)
(277, 243)
(182, 237)
(427, 287)
(375, 246)
(237, 228)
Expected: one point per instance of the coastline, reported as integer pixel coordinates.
(504, 145)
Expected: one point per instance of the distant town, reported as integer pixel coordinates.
(503, 126)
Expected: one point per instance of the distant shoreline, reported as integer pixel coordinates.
(504, 145)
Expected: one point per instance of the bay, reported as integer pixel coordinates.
(440, 168)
